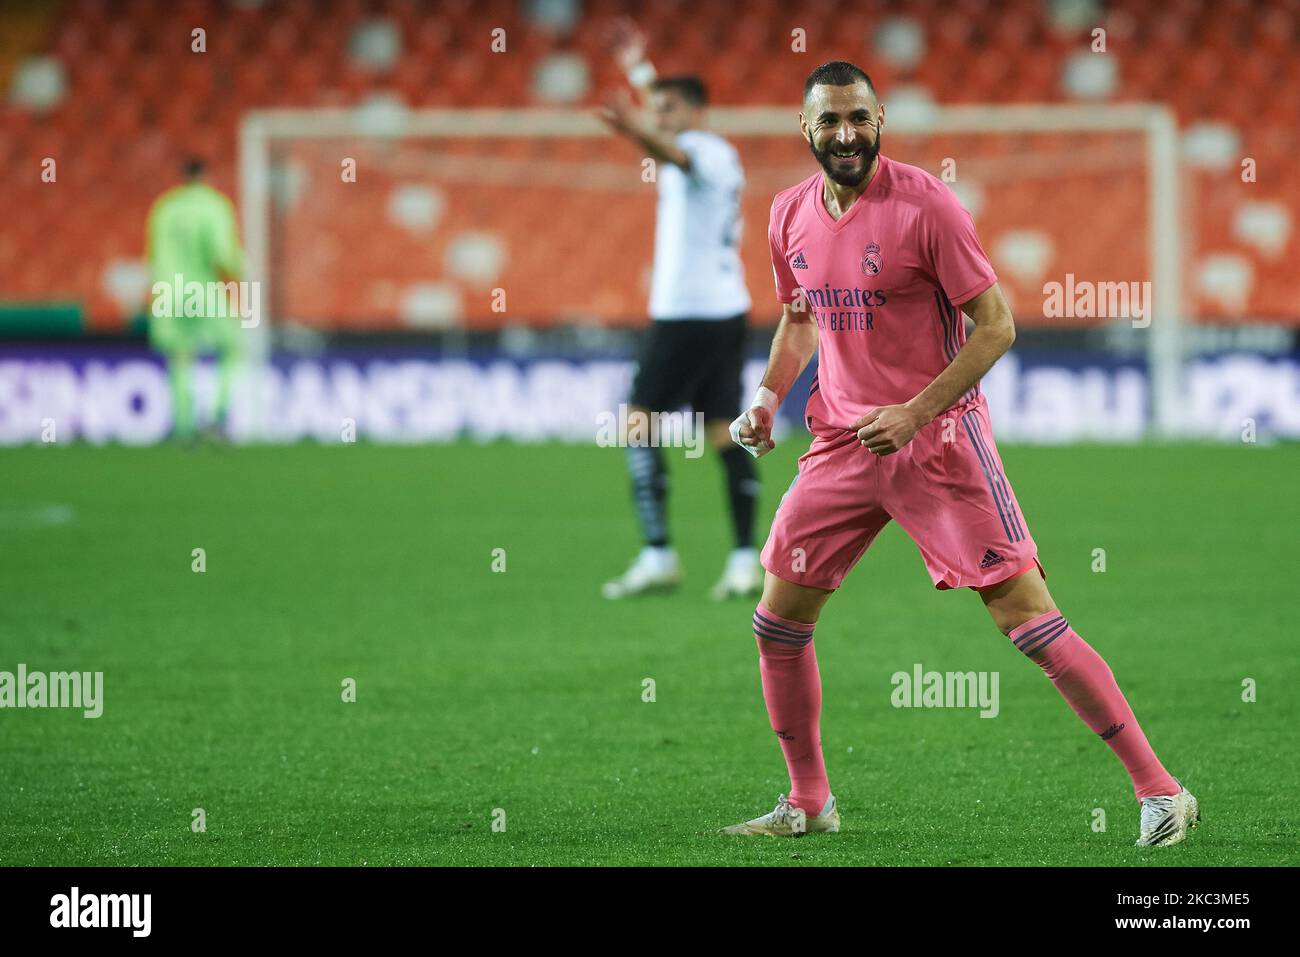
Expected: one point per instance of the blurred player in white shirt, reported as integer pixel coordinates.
(694, 348)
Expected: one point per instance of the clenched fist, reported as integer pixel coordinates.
(887, 429)
(752, 430)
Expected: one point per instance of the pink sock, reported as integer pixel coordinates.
(1087, 683)
(792, 688)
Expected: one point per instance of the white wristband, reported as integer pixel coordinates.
(765, 398)
(641, 74)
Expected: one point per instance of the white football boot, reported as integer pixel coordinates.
(742, 577)
(1167, 818)
(786, 820)
(653, 570)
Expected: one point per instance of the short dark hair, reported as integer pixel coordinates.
(837, 73)
(690, 87)
(193, 167)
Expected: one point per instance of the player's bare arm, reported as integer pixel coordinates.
(622, 115)
(627, 46)
(887, 429)
(627, 112)
(793, 346)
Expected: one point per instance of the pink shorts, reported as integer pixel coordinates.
(946, 488)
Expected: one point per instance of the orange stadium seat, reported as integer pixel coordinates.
(137, 99)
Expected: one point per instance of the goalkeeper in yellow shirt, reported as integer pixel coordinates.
(192, 238)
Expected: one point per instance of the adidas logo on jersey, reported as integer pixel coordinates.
(799, 262)
(990, 558)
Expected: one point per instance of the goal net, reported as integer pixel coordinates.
(480, 219)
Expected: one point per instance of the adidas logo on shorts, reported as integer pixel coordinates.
(990, 558)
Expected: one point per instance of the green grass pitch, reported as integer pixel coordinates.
(522, 690)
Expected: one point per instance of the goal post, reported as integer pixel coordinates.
(1095, 185)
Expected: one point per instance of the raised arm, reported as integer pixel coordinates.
(627, 47)
(625, 112)
(622, 116)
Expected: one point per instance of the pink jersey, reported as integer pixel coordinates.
(883, 283)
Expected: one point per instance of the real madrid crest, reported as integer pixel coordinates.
(872, 261)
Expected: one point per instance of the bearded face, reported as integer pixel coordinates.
(847, 163)
(842, 126)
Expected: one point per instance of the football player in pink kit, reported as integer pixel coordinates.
(875, 261)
